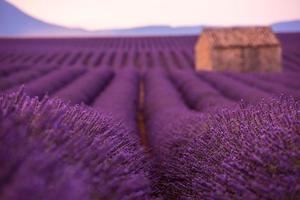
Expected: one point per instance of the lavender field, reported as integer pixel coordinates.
(130, 118)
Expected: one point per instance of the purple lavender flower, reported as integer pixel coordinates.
(199, 94)
(85, 88)
(51, 150)
(120, 97)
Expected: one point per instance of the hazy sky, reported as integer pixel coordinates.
(106, 14)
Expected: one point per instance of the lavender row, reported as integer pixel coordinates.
(163, 106)
(289, 80)
(50, 150)
(199, 95)
(52, 81)
(6, 70)
(85, 88)
(270, 87)
(291, 61)
(120, 97)
(233, 89)
(160, 92)
(161, 100)
(23, 76)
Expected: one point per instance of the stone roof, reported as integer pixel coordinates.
(241, 36)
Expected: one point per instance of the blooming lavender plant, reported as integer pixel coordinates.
(23, 76)
(87, 87)
(249, 153)
(162, 101)
(51, 150)
(120, 98)
(52, 81)
(268, 86)
(200, 95)
(7, 69)
(233, 89)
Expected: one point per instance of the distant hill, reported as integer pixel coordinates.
(159, 30)
(14, 22)
(290, 26)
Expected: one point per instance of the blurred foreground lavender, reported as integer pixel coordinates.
(50, 150)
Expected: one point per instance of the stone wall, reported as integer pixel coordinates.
(249, 59)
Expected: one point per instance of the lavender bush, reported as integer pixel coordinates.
(120, 98)
(162, 101)
(288, 80)
(232, 88)
(249, 153)
(200, 95)
(50, 150)
(23, 76)
(7, 69)
(52, 81)
(267, 86)
(87, 87)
